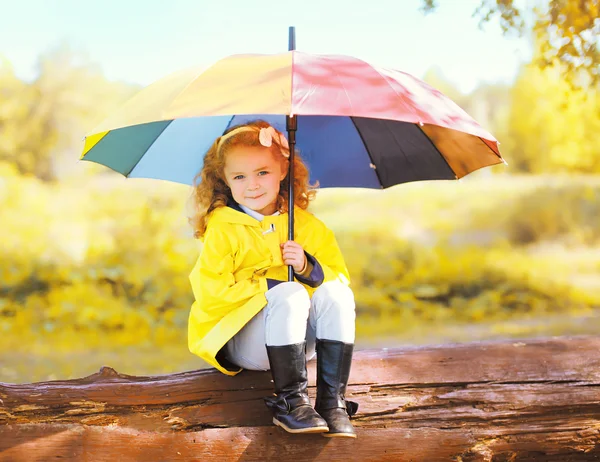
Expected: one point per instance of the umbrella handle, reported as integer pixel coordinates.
(291, 125)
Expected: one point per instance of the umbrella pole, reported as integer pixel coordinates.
(292, 125)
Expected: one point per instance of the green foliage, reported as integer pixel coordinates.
(93, 262)
(110, 262)
(568, 212)
(553, 127)
(43, 121)
(445, 284)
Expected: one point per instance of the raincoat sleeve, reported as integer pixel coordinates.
(213, 282)
(323, 246)
(314, 277)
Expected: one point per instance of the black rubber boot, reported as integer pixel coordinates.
(333, 370)
(291, 406)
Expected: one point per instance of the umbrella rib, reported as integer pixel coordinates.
(368, 152)
(228, 126)
(437, 150)
(490, 148)
(148, 148)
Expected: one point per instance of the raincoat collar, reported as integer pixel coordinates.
(234, 205)
(232, 214)
(254, 214)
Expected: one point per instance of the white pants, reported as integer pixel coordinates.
(290, 317)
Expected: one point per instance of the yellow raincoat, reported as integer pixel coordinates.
(229, 279)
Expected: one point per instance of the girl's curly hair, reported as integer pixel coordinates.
(210, 190)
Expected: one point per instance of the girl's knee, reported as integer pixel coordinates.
(291, 286)
(334, 312)
(335, 293)
(288, 296)
(287, 289)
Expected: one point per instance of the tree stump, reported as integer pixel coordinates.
(493, 401)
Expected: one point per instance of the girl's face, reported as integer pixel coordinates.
(253, 174)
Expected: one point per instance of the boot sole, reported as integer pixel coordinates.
(300, 430)
(339, 435)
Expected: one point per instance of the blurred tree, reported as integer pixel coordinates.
(42, 120)
(567, 29)
(552, 126)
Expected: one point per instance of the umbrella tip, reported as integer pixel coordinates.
(292, 38)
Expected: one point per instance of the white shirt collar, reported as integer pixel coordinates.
(255, 214)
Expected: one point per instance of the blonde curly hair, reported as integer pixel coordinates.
(210, 190)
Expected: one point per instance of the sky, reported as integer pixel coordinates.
(141, 41)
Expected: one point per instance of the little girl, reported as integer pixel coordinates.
(245, 314)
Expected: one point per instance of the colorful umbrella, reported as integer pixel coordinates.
(358, 125)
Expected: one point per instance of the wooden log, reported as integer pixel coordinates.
(493, 401)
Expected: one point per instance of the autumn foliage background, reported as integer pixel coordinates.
(94, 268)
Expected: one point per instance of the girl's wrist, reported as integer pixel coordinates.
(304, 267)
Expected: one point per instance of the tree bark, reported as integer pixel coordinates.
(495, 401)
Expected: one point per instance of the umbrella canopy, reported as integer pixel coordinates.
(358, 125)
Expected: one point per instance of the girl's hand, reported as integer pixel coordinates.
(293, 254)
